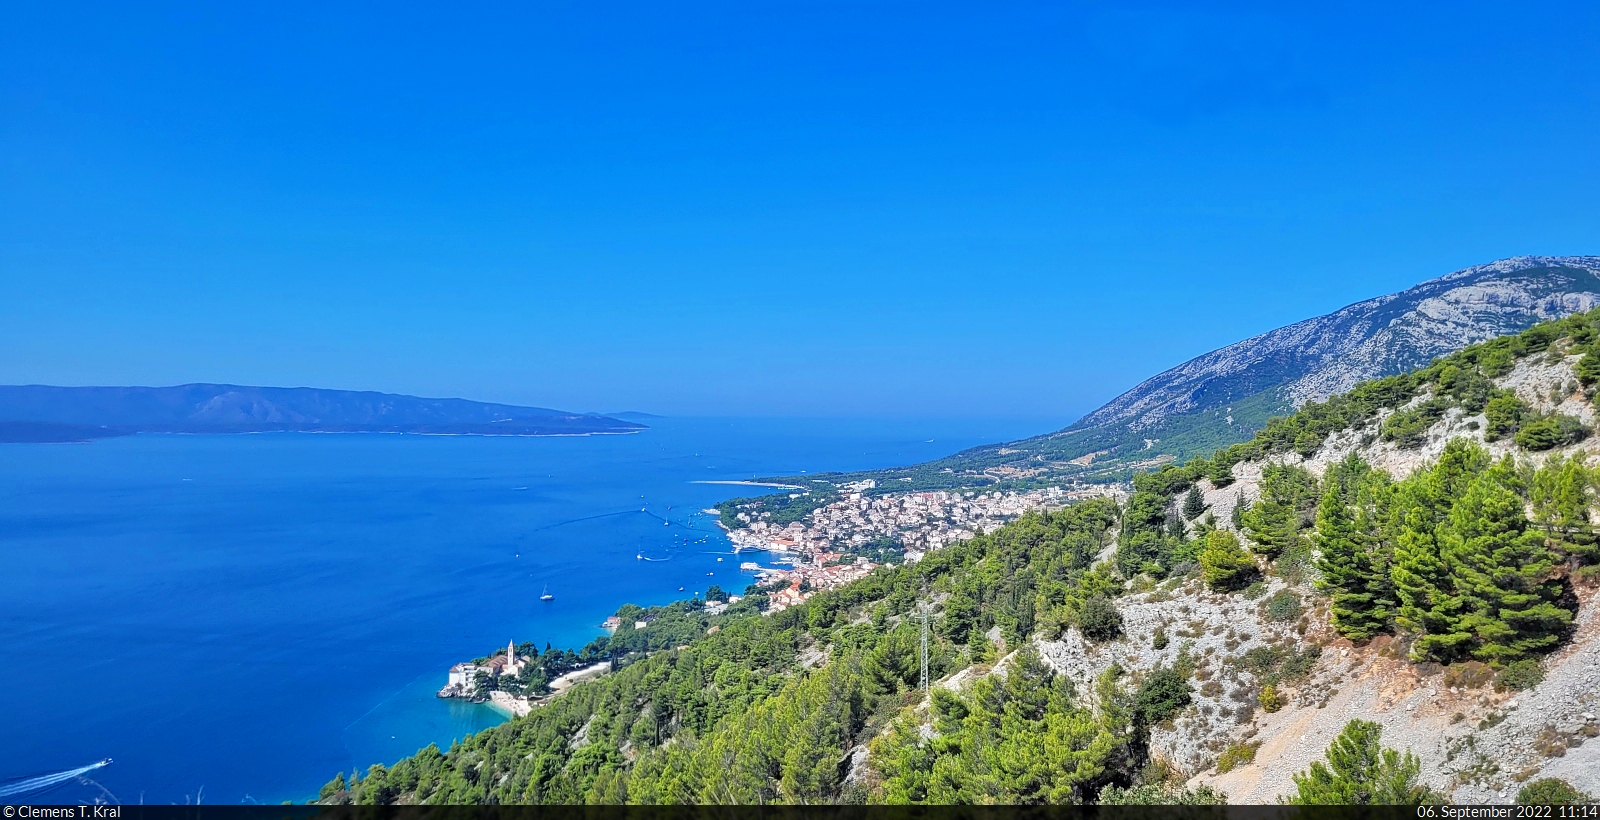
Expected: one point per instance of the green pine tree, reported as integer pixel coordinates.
(1193, 504)
(1428, 607)
(1420, 582)
(1374, 510)
(332, 787)
(1360, 772)
(1019, 739)
(1271, 527)
(1560, 493)
(1474, 577)
(1287, 506)
(1503, 415)
(1220, 472)
(1460, 463)
(1224, 565)
(1353, 563)
(1175, 530)
(1502, 571)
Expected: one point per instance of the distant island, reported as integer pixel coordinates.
(41, 413)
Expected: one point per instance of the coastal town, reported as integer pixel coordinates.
(915, 523)
(825, 550)
(833, 545)
(792, 587)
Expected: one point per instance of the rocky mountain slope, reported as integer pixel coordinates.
(1477, 743)
(43, 413)
(1226, 395)
(1478, 733)
(1315, 358)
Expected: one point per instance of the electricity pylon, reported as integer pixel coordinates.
(924, 607)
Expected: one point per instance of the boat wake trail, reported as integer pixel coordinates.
(40, 782)
(584, 518)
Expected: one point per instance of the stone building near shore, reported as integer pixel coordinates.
(462, 681)
(463, 678)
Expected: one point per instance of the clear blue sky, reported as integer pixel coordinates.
(805, 208)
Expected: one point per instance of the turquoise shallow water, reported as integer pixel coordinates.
(236, 618)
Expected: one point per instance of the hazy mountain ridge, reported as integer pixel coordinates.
(74, 413)
(1315, 358)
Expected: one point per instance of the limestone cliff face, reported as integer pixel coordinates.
(1313, 359)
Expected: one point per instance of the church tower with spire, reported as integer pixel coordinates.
(512, 667)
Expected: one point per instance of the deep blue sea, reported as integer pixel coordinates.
(236, 618)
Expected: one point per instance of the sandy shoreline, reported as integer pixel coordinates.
(505, 703)
(508, 704)
(567, 681)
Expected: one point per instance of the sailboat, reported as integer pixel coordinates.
(547, 596)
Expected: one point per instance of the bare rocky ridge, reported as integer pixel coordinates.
(1316, 358)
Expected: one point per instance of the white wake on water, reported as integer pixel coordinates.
(45, 781)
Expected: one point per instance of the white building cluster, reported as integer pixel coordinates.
(824, 572)
(922, 522)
